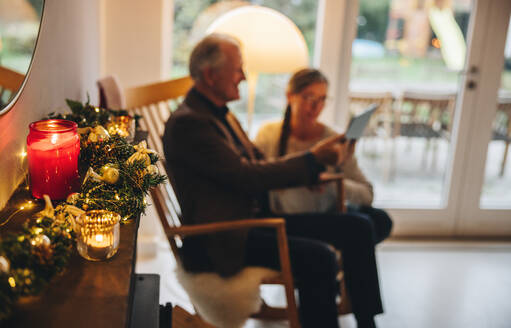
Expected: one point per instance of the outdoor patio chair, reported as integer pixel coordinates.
(10, 82)
(502, 128)
(380, 124)
(156, 103)
(425, 115)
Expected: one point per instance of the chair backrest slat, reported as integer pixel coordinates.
(156, 92)
(154, 103)
(10, 80)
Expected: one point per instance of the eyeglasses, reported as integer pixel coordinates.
(313, 101)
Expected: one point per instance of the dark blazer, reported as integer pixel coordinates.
(214, 182)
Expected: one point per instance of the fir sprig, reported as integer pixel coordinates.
(114, 150)
(89, 115)
(33, 266)
(126, 196)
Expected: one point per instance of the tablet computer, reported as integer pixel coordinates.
(359, 122)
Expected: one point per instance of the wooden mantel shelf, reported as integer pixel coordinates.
(87, 294)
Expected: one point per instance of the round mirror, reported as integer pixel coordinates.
(20, 22)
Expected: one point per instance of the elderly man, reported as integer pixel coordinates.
(220, 175)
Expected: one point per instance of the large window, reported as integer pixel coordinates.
(192, 18)
(407, 57)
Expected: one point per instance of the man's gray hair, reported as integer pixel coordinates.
(208, 53)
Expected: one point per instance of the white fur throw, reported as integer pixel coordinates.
(225, 302)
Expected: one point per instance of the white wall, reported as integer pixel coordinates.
(136, 39)
(66, 65)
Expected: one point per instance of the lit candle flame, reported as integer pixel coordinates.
(12, 282)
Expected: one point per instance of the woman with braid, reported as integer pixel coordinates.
(300, 129)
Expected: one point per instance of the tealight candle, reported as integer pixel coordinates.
(53, 147)
(123, 125)
(98, 234)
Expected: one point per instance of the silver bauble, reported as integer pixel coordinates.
(4, 264)
(40, 240)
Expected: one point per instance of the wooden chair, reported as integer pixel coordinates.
(502, 128)
(425, 115)
(183, 319)
(382, 118)
(156, 103)
(10, 82)
(381, 123)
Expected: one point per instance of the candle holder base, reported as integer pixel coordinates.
(95, 253)
(98, 234)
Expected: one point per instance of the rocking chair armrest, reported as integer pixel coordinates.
(338, 178)
(200, 229)
(330, 177)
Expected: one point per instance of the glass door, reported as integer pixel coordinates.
(484, 202)
(429, 67)
(496, 191)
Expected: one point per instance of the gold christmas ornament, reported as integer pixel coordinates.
(4, 264)
(91, 174)
(98, 133)
(73, 210)
(73, 198)
(68, 213)
(152, 169)
(110, 175)
(141, 154)
(48, 211)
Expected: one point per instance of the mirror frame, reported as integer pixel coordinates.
(14, 99)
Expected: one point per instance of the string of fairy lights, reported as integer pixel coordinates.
(117, 177)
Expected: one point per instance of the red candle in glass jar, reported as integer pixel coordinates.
(53, 147)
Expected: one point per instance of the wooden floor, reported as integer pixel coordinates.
(424, 284)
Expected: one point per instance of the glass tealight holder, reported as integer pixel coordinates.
(123, 125)
(98, 234)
